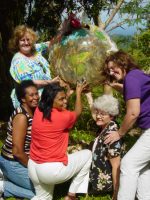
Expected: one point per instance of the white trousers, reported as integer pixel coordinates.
(45, 176)
(135, 170)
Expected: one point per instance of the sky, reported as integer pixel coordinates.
(126, 30)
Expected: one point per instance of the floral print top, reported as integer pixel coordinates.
(101, 170)
(24, 68)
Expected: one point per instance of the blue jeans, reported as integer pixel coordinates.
(17, 181)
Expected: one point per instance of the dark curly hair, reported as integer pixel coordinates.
(21, 89)
(48, 95)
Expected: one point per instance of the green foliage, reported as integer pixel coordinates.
(107, 197)
(138, 46)
(123, 41)
(81, 136)
(99, 197)
(138, 10)
(94, 8)
(142, 60)
(130, 141)
(45, 16)
(144, 42)
(140, 49)
(121, 107)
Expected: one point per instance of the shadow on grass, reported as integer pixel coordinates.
(61, 191)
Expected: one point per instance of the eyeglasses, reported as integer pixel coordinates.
(102, 114)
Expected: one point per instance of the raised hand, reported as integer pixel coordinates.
(81, 86)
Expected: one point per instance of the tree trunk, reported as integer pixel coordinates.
(11, 14)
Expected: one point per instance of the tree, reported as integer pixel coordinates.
(10, 16)
(131, 12)
(11, 13)
(45, 16)
(141, 49)
(144, 42)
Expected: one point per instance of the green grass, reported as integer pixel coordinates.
(81, 198)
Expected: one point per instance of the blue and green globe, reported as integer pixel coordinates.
(81, 55)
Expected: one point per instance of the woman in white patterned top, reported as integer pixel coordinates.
(28, 61)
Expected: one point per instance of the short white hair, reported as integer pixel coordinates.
(108, 104)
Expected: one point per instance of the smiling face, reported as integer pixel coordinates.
(102, 118)
(31, 98)
(60, 101)
(26, 44)
(115, 71)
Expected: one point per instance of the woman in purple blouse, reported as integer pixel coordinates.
(135, 85)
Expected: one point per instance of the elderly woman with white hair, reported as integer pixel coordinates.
(105, 169)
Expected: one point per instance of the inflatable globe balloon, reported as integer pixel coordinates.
(80, 55)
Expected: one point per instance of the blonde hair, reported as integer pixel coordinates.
(108, 104)
(18, 33)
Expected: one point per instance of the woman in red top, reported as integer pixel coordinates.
(49, 163)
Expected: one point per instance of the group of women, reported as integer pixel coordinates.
(32, 167)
